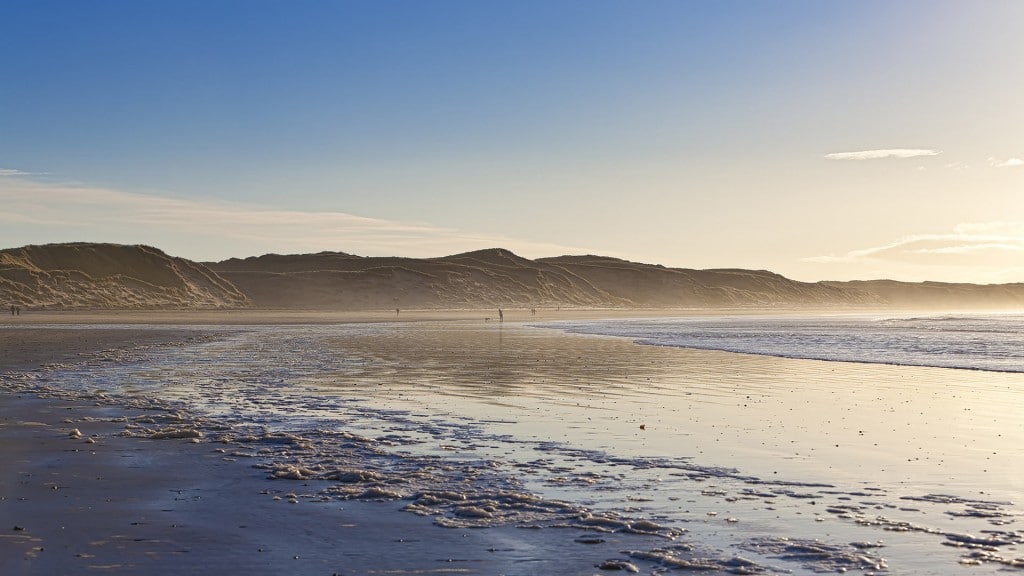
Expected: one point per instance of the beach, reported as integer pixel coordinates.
(103, 503)
(455, 444)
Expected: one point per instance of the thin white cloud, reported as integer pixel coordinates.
(884, 153)
(13, 172)
(998, 244)
(971, 248)
(1010, 163)
(998, 227)
(212, 230)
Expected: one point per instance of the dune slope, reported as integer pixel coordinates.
(86, 275)
(943, 295)
(497, 277)
(111, 276)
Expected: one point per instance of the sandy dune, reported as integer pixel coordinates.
(107, 276)
(496, 277)
(84, 275)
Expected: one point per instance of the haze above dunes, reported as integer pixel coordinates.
(111, 276)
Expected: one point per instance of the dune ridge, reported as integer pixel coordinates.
(940, 294)
(497, 277)
(113, 276)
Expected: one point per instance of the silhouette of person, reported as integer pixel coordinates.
(501, 315)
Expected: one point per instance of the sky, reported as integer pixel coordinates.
(819, 140)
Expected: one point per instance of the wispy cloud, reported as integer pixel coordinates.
(922, 244)
(13, 172)
(212, 230)
(880, 154)
(1008, 163)
(991, 246)
(970, 248)
(994, 228)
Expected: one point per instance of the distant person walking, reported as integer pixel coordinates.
(12, 309)
(501, 315)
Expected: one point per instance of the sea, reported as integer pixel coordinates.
(734, 444)
(971, 342)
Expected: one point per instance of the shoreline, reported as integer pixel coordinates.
(249, 316)
(245, 317)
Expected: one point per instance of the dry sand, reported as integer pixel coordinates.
(277, 317)
(249, 317)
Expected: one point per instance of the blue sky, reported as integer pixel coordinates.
(821, 140)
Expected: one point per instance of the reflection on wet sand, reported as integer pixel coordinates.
(734, 463)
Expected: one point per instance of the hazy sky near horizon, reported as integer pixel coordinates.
(820, 140)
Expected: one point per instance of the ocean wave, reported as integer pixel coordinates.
(991, 343)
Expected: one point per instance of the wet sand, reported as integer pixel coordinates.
(131, 506)
(76, 497)
(734, 448)
(171, 505)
